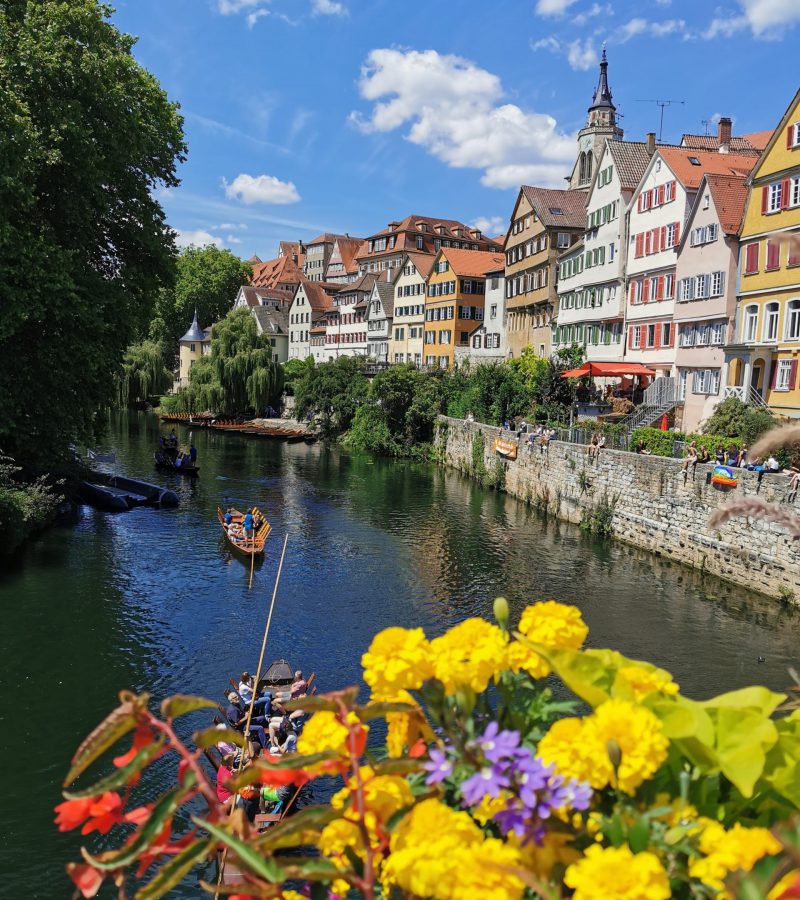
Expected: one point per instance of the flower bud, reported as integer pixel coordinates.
(501, 611)
(465, 699)
(614, 753)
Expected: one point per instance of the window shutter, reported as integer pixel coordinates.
(793, 375)
(660, 288)
(677, 234)
(663, 240)
(639, 244)
(764, 198)
(785, 194)
(657, 335)
(648, 242)
(645, 290)
(632, 292)
(790, 136)
(657, 245)
(662, 191)
(774, 376)
(630, 337)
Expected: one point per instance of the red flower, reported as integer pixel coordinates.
(87, 879)
(142, 738)
(72, 813)
(792, 891)
(105, 812)
(419, 749)
(139, 815)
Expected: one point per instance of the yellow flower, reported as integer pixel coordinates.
(614, 873)
(556, 849)
(729, 851)
(403, 728)
(642, 682)
(790, 880)
(334, 841)
(469, 654)
(580, 747)
(439, 853)
(490, 806)
(398, 659)
(325, 731)
(552, 624)
(291, 895)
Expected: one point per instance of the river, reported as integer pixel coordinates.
(151, 600)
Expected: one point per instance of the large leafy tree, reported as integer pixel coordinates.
(87, 136)
(207, 280)
(333, 392)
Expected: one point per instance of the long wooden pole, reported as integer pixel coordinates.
(253, 694)
(252, 564)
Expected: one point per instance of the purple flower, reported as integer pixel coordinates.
(513, 818)
(439, 766)
(498, 745)
(490, 780)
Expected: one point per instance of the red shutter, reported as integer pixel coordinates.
(632, 291)
(657, 335)
(662, 192)
(793, 375)
(639, 207)
(648, 242)
(790, 136)
(657, 245)
(645, 290)
(660, 288)
(764, 198)
(785, 194)
(774, 376)
(630, 337)
(639, 244)
(663, 235)
(677, 234)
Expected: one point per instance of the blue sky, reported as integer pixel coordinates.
(305, 116)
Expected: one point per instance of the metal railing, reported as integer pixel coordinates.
(659, 398)
(746, 393)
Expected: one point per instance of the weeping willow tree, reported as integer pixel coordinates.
(143, 373)
(238, 377)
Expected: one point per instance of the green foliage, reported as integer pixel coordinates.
(478, 467)
(332, 392)
(598, 520)
(238, 377)
(207, 280)
(295, 370)
(733, 418)
(143, 373)
(87, 136)
(660, 443)
(25, 507)
(370, 433)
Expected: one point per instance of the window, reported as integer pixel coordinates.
(705, 381)
(717, 332)
(783, 375)
(751, 259)
(562, 240)
(773, 197)
(636, 336)
(671, 235)
(750, 322)
(717, 284)
(420, 242)
(793, 320)
(651, 335)
(773, 256)
(793, 135)
(701, 284)
(669, 286)
(770, 322)
(794, 191)
(687, 289)
(666, 334)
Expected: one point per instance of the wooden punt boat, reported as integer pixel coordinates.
(166, 459)
(235, 536)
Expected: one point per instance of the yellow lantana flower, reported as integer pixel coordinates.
(553, 624)
(402, 728)
(580, 747)
(615, 873)
(729, 851)
(555, 849)
(469, 655)
(439, 853)
(398, 659)
(324, 731)
(642, 682)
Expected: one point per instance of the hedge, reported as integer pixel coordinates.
(660, 443)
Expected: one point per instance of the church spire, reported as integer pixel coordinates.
(601, 99)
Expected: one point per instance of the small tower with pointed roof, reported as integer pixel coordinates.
(195, 344)
(601, 125)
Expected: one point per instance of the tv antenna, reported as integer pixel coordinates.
(705, 123)
(662, 104)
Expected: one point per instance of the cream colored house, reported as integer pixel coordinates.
(408, 328)
(195, 344)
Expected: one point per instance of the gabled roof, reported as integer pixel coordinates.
(326, 238)
(363, 284)
(729, 193)
(738, 144)
(777, 134)
(472, 263)
(689, 166)
(348, 248)
(271, 321)
(758, 139)
(282, 270)
(557, 208)
(317, 298)
(423, 262)
(426, 225)
(386, 294)
(631, 159)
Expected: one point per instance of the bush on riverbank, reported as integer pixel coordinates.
(25, 507)
(733, 418)
(484, 785)
(660, 443)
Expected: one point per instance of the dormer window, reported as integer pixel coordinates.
(421, 226)
(694, 160)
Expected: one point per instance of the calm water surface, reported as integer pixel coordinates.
(151, 600)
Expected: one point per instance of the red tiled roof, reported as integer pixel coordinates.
(407, 231)
(759, 139)
(282, 270)
(690, 175)
(557, 208)
(318, 299)
(738, 143)
(730, 196)
(473, 262)
(348, 248)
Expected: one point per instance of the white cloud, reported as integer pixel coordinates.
(553, 7)
(638, 25)
(551, 43)
(581, 56)
(232, 239)
(232, 226)
(663, 2)
(253, 17)
(231, 7)
(328, 8)
(594, 10)
(725, 27)
(196, 238)
(261, 189)
(462, 122)
(490, 225)
(769, 18)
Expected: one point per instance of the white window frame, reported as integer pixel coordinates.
(750, 323)
(792, 331)
(769, 331)
(774, 195)
(783, 375)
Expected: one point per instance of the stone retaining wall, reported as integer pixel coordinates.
(644, 498)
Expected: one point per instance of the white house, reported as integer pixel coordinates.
(380, 311)
(308, 303)
(408, 328)
(346, 327)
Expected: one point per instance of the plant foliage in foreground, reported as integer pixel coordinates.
(483, 787)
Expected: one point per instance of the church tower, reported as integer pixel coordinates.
(601, 125)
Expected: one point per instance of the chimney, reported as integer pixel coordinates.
(724, 134)
(651, 142)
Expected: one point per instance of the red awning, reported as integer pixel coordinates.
(607, 370)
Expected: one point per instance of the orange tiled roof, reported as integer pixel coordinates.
(473, 263)
(318, 299)
(730, 196)
(406, 231)
(708, 163)
(348, 248)
(738, 143)
(759, 139)
(282, 270)
(557, 208)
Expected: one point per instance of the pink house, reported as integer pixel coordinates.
(705, 295)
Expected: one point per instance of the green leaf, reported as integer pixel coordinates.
(589, 674)
(259, 865)
(210, 737)
(381, 710)
(312, 868)
(181, 704)
(162, 811)
(173, 872)
(284, 833)
(782, 766)
(743, 738)
(613, 830)
(120, 777)
(756, 697)
(639, 835)
(115, 726)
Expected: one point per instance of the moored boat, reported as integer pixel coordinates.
(235, 534)
(167, 459)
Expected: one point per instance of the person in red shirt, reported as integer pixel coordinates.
(224, 776)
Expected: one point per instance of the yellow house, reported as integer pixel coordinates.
(762, 361)
(455, 301)
(195, 344)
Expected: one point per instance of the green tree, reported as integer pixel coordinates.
(294, 370)
(238, 377)
(733, 418)
(143, 373)
(333, 392)
(207, 280)
(87, 136)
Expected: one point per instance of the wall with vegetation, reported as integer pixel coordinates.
(641, 500)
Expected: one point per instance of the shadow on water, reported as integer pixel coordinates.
(154, 600)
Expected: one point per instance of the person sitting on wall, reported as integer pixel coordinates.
(772, 464)
(593, 447)
(733, 455)
(704, 456)
(642, 449)
(691, 458)
(719, 454)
